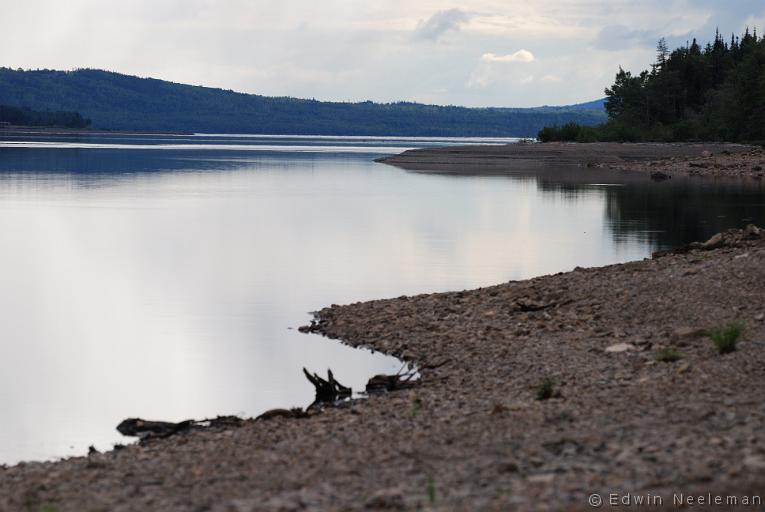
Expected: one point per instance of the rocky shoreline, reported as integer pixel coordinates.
(533, 396)
(682, 159)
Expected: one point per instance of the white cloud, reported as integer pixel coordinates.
(440, 23)
(526, 79)
(479, 78)
(519, 56)
(757, 22)
(381, 50)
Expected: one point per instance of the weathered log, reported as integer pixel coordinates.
(329, 390)
(143, 429)
(386, 383)
(136, 427)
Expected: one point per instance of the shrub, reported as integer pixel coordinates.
(668, 355)
(546, 389)
(726, 336)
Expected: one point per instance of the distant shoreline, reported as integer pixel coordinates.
(54, 130)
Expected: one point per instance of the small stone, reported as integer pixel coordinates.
(620, 347)
(713, 243)
(508, 467)
(684, 367)
(755, 461)
(544, 478)
(687, 332)
(759, 317)
(498, 409)
(752, 231)
(386, 499)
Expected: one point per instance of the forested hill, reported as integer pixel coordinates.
(122, 102)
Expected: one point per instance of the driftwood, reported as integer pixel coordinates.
(327, 391)
(385, 383)
(136, 427)
(143, 429)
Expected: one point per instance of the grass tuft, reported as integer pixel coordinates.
(431, 489)
(726, 336)
(668, 355)
(546, 389)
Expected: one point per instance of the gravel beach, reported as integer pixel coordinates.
(534, 395)
(691, 159)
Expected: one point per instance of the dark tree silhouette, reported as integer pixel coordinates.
(692, 93)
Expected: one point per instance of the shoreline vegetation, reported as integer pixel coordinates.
(641, 378)
(711, 93)
(18, 117)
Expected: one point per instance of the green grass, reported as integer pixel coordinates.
(431, 489)
(546, 389)
(416, 406)
(668, 355)
(726, 336)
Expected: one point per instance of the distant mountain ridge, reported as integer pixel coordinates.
(123, 102)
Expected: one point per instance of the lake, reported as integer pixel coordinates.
(165, 277)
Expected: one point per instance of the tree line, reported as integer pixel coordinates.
(21, 116)
(714, 92)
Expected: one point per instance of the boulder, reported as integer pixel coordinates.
(715, 242)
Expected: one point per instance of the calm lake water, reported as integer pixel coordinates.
(164, 277)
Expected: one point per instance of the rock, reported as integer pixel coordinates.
(295, 412)
(759, 317)
(620, 347)
(526, 304)
(386, 499)
(706, 154)
(508, 467)
(687, 332)
(544, 478)
(755, 462)
(659, 176)
(751, 231)
(713, 243)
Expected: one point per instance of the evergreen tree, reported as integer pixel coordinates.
(712, 92)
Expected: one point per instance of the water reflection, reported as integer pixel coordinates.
(667, 214)
(162, 284)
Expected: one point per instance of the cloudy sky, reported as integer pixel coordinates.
(472, 52)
